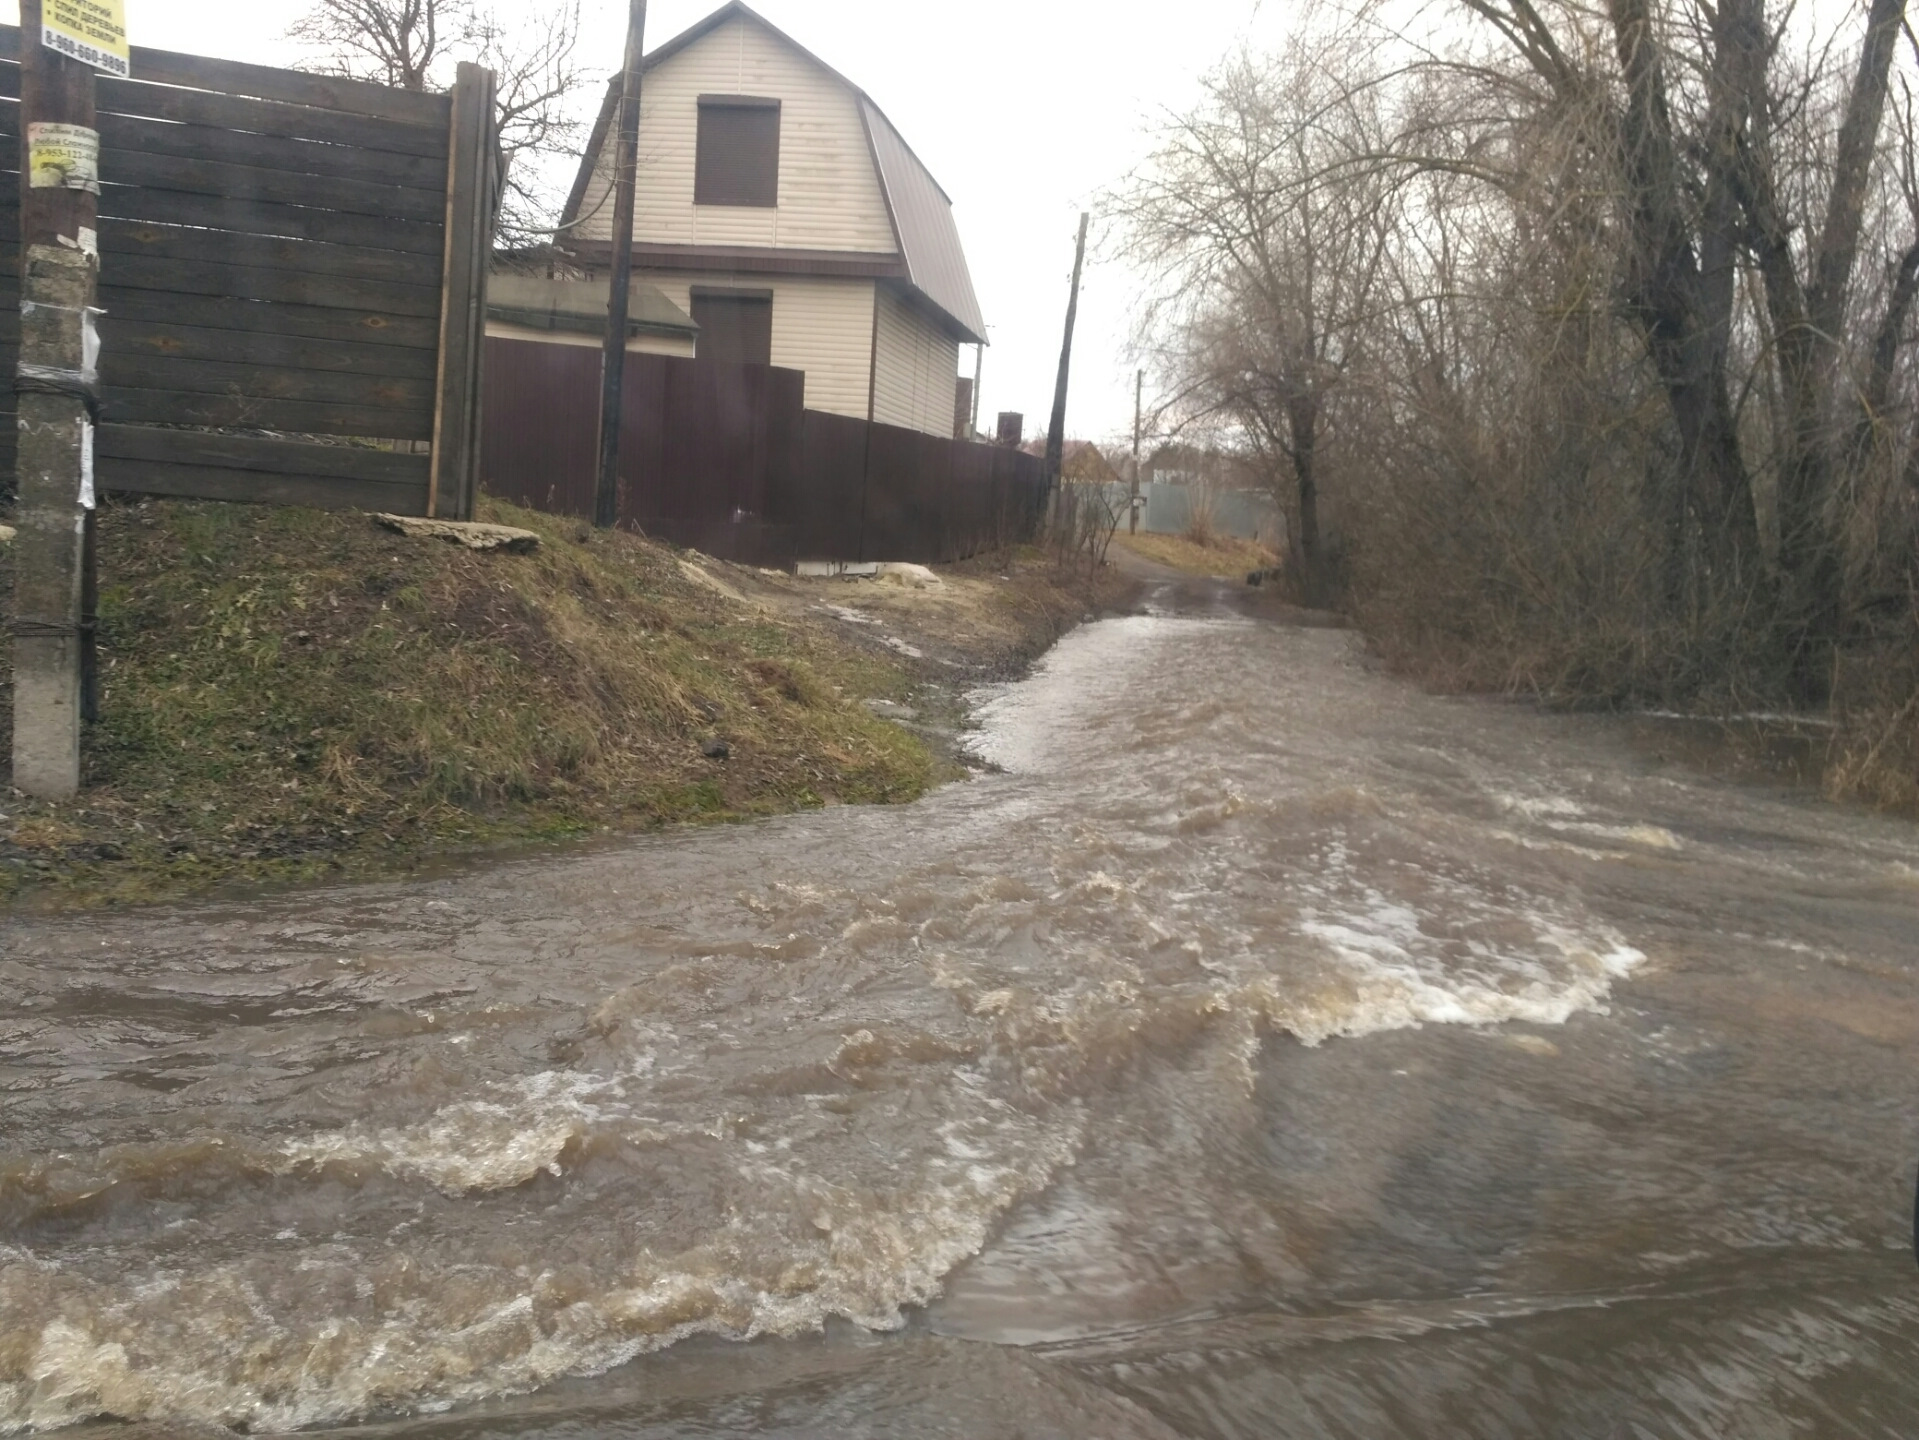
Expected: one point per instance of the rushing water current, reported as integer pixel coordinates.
(1264, 1049)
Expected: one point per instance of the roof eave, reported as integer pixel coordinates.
(947, 319)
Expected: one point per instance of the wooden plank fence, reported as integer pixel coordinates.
(725, 458)
(293, 275)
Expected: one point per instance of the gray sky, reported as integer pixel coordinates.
(1023, 110)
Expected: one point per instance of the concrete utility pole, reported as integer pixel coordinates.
(1132, 508)
(1056, 435)
(56, 381)
(606, 495)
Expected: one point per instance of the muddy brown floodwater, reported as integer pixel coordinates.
(1268, 1049)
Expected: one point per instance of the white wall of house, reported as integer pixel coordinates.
(918, 366)
(829, 196)
(635, 345)
(821, 325)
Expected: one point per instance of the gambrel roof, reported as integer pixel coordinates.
(931, 260)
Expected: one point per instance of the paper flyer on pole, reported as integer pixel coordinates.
(94, 32)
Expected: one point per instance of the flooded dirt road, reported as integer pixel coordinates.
(1268, 1049)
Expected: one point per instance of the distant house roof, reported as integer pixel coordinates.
(1083, 460)
(1078, 460)
(921, 211)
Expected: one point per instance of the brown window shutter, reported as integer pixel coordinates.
(734, 327)
(738, 160)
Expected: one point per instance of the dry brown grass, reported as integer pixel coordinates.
(1224, 555)
(287, 692)
(1875, 747)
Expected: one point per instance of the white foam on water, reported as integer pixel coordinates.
(868, 1264)
(1391, 990)
(1655, 837)
(1537, 807)
(471, 1145)
(867, 1261)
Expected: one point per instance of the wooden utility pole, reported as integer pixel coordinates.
(606, 496)
(56, 384)
(1132, 506)
(1056, 433)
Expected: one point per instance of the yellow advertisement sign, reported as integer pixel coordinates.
(94, 32)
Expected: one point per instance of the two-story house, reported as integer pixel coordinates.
(779, 208)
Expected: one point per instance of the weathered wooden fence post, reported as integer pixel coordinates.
(470, 203)
(56, 380)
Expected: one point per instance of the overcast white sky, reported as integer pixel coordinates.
(1023, 110)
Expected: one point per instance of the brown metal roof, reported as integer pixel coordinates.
(922, 214)
(923, 220)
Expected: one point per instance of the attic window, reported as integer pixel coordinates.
(738, 161)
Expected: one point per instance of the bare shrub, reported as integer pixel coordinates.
(1202, 512)
(1081, 524)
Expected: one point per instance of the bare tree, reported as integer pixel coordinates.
(1267, 246)
(1436, 245)
(414, 45)
(403, 43)
(1729, 158)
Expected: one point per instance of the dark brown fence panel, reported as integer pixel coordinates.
(710, 442)
(724, 458)
(826, 508)
(278, 268)
(705, 447)
(542, 424)
(894, 512)
(971, 502)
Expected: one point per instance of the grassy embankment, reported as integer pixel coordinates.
(289, 694)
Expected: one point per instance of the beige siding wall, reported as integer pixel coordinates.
(821, 326)
(637, 345)
(918, 366)
(829, 197)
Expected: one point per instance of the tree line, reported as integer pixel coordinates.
(1576, 339)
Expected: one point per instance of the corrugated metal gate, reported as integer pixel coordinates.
(289, 288)
(726, 459)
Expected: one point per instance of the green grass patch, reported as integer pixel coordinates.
(292, 693)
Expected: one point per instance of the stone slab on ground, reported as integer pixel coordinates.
(471, 533)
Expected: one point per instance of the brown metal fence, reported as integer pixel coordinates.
(726, 459)
(293, 266)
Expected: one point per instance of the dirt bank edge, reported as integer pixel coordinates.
(294, 696)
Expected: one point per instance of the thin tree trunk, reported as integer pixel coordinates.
(1302, 416)
(1807, 322)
